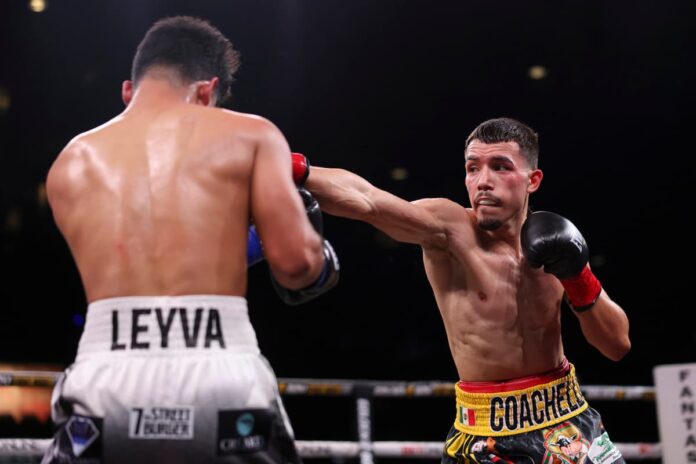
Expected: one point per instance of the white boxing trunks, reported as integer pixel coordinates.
(169, 380)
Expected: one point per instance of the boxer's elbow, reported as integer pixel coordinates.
(617, 350)
(621, 342)
(291, 266)
(295, 268)
(623, 349)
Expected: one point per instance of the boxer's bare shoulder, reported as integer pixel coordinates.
(68, 169)
(247, 124)
(456, 221)
(445, 209)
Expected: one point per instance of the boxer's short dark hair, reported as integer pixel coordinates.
(192, 47)
(500, 130)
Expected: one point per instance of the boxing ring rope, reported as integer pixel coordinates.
(363, 391)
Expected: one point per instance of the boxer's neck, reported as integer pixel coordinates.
(155, 92)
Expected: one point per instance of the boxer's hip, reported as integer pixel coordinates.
(181, 371)
(194, 349)
(538, 418)
(167, 326)
(520, 405)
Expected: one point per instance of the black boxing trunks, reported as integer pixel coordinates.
(169, 380)
(537, 419)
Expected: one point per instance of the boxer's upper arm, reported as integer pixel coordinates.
(60, 186)
(346, 194)
(276, 207)
(415, 222)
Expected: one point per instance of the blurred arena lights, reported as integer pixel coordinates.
(5, 100)
(41, 198)
(399, 174)
(37, 6)
(13, 221)
(537, 72)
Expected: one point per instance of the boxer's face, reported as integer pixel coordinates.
(498, 180)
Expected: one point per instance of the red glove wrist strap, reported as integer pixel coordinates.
(582, 290)
(300, 168)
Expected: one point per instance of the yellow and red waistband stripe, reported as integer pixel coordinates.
(519, 406)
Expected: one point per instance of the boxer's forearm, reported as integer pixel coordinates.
(605, 327)
(340, 192)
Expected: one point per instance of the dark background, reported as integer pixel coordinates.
(372, 86)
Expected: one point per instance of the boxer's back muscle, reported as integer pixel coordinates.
(158, 202)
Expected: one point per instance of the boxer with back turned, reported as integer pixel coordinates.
(155, 206)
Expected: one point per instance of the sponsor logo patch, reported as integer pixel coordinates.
(243, 431)
(170, 423)
(603, 451)
(83, 432)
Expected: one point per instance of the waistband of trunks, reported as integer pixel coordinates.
(520, 405)
(163, 325)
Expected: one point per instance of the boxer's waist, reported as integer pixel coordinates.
(520, 405)
(159, 325)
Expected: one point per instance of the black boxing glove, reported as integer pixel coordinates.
(552, 241)
(325, 282)
(312, 208)
(331, 270)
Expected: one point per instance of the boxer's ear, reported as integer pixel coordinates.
(127, 92)
(206, 92)
(535, 176)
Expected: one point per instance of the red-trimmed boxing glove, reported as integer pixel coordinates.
(300, 168)
(552, 241)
